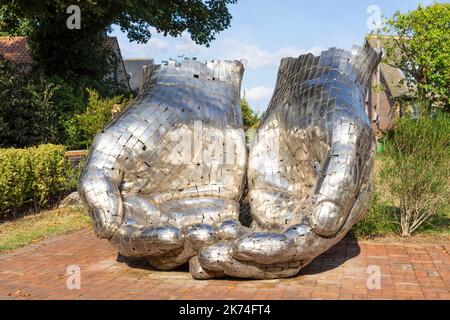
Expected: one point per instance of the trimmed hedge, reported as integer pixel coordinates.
(30, 178)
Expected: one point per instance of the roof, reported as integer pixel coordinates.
(392, 76)
(113, 44)
(16, 49)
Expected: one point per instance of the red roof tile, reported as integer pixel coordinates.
(15, 49)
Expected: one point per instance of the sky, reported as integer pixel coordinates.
(264, 31)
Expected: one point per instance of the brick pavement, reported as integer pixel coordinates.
(408, 271)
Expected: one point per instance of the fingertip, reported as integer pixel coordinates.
(327, 218)
(230, 230)
(262, 247)
(200, 273)
(200, 235)
(215, 256)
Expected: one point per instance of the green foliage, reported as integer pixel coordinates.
(81, 55)
(251, 119)
(33, 108)
(33, 176)
(83, 62)
(202, 19)
(379, 220)
(416, 168)
(16, 107)
(421, 49)
(15, 25)
(83, 127)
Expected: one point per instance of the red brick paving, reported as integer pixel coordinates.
(408, 271)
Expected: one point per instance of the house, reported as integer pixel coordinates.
(120, 72)
(387, 91)
(134, 69)
(16, 50)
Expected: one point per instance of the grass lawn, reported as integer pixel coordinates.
(18, 233)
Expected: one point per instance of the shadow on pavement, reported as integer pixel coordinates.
(342, 251)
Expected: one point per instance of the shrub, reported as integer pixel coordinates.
(17, 108)
(32, 177)
(250, 118)
(379, 220)
(33, 107)
(416, 169)
(83, 127)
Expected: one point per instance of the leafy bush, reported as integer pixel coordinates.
(32, 177)
(33, 108)
(17, 107)
(58, 102)
(379, 220)
(250, 118)
(83, 127)
(416, 168)
(36, 109)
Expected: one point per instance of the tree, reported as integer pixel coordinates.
(251, 119)
(416, 168)
(33, 108)
(81, 52)
(99, 111)
(420, 47)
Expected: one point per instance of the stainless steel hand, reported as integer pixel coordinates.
(309, 168)
(164, 177)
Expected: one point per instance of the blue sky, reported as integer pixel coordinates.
(264, 31)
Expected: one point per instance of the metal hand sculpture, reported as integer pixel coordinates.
(309, 170)
(165, 177)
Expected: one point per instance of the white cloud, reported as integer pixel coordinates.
(260, 58)
(226, 49)
(186, 46)
(258, 97)
(317, 50)
(258, 93)
(144, 50)
(158, 44)
(255, 56)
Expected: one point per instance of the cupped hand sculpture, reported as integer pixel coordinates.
(309, 168)
(165, 177)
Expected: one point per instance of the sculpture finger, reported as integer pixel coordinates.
(231, 229)
(200, 273)
(101, 197)
(343, 172)
(136, 241)
(217, 260)
(196, 237)
(296, 243)
(264, 248)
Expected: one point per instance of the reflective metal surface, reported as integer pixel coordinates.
(309, 168)
(159, 182)
(164, 180)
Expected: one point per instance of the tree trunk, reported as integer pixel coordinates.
(404, 221)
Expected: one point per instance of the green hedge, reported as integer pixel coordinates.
(30, 178)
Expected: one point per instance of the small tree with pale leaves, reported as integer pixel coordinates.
(416, 170)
